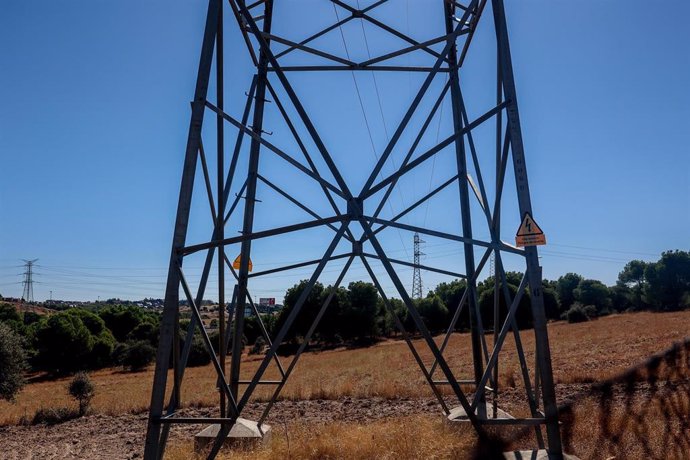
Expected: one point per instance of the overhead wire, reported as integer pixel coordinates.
(361, 104)
(433, 161)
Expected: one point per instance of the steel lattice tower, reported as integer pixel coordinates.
(353, 220)
(417, 289)
(28, 294)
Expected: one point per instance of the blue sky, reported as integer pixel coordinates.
(95, 108)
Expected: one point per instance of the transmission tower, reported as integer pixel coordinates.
(417, 289)
(28, 294)
(350, 226)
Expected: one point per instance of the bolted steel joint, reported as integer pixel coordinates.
(355, 208)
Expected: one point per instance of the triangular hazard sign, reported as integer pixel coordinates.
(529, 227)
(529, 233)
(238, 260)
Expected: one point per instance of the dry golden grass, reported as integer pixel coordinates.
(410, 437)
(627, 437)
(581, 353)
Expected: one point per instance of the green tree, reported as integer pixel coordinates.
(122, 320)
(593, 292)
(632, 277)
(12, 363)
(565, 287)
(198, 354)
(668, 280)
(81, 389)
(450, 294)
(308, 311)
(329, 326)
(397, 308)
(552, 306)
(621, 297)
(358, 320)
(31, 317)
(63, 343)
(147, 331)
(103, 340)
(523, 313)
(433, 312)
(136, 355)
(11, 317)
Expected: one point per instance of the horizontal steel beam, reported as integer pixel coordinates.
(329, 68)
(297, 265)
(263, 234)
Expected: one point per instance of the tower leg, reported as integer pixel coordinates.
(153, 450)
(543, 352)
(475, 320)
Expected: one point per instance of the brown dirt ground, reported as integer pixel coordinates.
(100, 436)
(582, 353)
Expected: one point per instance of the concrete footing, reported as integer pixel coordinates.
(534, 455)
(244, 433)
(458, 414)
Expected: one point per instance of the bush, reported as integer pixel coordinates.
(102, 351)
(122, 320)
(135, 356)
(11, 317)
(579, 313)
(81, 389)
(258, 347)
(433, 312)
(145, 331)
(63, 342)
(12, 363)
(198, 355)
(53, 415)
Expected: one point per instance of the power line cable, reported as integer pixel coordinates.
(366, 120)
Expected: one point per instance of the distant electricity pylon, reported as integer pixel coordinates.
(417, 290)
(28, 294)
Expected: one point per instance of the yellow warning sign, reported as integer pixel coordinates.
(529, 233)
(238, 260)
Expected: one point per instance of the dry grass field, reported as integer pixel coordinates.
(585, 352)
(582, 353)
(412, 437)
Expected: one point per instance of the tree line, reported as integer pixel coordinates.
(358, 313)
(80, 339)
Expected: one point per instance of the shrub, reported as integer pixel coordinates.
(579, 313)
(11, 317)
(53, 415)
(433, 312)
(198, 355)
(12, 363)
(102, 351)
(145, 331)
(81, 389)
(30, 318)
(135, 356)
(122, 320)
(63, 342)
(258, 347)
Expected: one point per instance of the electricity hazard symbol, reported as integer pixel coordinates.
(238, 260)
(529, 233)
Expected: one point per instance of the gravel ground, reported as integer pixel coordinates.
(122, 437)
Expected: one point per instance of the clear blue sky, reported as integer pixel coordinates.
(95, 108)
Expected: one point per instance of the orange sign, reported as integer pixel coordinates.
(529, 233)
(238, 260)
